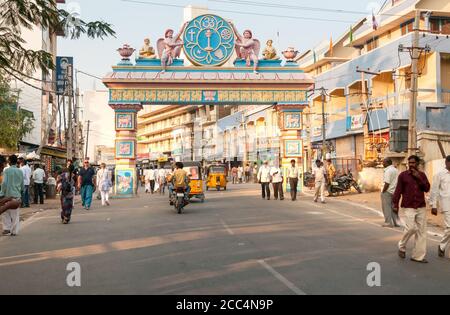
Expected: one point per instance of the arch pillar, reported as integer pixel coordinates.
(125, 155)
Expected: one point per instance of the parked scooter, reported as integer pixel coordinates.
(344, 183)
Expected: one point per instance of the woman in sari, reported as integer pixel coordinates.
(66, 189)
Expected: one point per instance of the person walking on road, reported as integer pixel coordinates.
(331, 173)
(240, 175)
(293, 176)
(26, 170)
(86, 184)
(234, 174)
(255, 173)
(390, 178)
(38, 183)
(66, 188)
(441, 192)
(320, 179)
(247, 171)
(162, 181)
(411, 187)
(152, 179)
(12, 187)
(264, 179)
(277, 182)
(104, 183)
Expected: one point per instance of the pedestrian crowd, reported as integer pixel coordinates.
(17, 178)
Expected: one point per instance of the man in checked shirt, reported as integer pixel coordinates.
(412, 186)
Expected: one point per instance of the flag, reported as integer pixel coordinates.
(374, 22)
(351, 34)
(331, 46)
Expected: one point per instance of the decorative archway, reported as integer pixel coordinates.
(133, 86)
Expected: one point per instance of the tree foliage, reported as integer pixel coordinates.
(16, 15)
(15, 123)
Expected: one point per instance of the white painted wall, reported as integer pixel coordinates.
(30, 98)
(102, 130)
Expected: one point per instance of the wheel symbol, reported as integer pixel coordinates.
(226, 34)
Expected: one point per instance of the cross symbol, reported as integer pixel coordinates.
(192, 33)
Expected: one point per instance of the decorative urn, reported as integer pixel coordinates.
(125, 52)
(290, 54)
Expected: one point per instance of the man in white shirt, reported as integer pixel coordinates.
(26, 170)
(293, 176)
(38, 183)
(264, 178)
(441, 191)
(320, 180)
(162, 180)
(277, 182)
(389, 185)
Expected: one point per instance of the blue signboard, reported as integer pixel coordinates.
(62, 77)
(209, 40)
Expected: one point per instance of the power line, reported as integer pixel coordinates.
(244, 12)
(89, 75)
(295, 7)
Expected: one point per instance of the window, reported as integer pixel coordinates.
(407, 27)
(372, 44)
(440, 25)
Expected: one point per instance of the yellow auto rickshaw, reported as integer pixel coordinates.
(217, 177)
(194, 170)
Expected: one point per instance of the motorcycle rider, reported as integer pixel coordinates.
(180, 179)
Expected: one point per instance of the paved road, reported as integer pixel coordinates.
(234, 243)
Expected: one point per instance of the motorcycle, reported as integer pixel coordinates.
(344, 183)
(179, 201)
(308, 180)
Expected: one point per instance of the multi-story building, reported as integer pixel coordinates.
(383, 53)
(166, 130)
(36, 95)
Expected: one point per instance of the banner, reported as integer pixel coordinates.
(63, 78)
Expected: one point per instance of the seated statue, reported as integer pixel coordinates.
(270, 53)
(147, 51)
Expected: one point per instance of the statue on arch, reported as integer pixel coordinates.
(247, 48)
(169, 47)
(147, 51)
(270, 53)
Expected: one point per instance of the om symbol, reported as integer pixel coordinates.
(209, 23)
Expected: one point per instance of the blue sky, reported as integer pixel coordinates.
(134, 21)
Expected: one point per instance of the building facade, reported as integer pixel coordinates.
(366, 80)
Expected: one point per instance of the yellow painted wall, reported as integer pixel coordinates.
(382, 85)
(445, 71)
(336, 106)
(427, 80)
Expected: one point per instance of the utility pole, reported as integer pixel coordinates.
(87, 138)
(324, 148)
(69, 133)
(77, 127)
(412, 136)
(366, 108)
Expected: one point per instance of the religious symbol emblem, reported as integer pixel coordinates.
(208, 41)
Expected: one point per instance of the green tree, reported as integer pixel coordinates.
(16, 15)
(15, 123)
